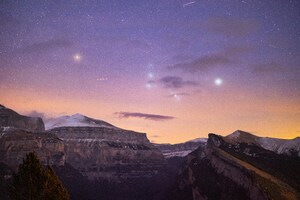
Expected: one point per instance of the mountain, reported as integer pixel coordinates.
(76, 120)
(20, 135)
(91, 156)
(97, 160)
(181, 149)
(237, 167)
(119, 163)
(280, 146)
(96, 147)
(16, 143)
(97, 151)
(10, 118)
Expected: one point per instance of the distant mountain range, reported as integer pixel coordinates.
(96, 160)
(280, 146)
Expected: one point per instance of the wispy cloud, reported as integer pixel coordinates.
(264, 68)
(144, 116)
(179, 94)
(232, 27)
(176, 82)
(226, 57)
(155, 136)
(44, 46)
(203, 63)
(35, 113)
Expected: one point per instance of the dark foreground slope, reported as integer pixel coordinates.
(223, 170)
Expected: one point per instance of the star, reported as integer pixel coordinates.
(150, 75)
(77, 57)
(218, 81)
(176, 97)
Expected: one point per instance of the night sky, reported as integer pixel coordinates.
(174, 69)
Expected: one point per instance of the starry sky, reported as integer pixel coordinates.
(175, 69)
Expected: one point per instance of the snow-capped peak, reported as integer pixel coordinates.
(241, 136)
(78, 116)
(204, 140)
(76, 120)
(280, 146)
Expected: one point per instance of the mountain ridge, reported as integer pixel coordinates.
(76, 120)
(94, 159)
(277, 145)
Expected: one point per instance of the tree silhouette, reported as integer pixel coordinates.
(36, 182)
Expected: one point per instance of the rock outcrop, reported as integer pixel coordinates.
(114, 163)
(221, 170)
(20, 135)
(181, 149)
(9, 118)
(111, 154)
(16, 143)
(289, 147)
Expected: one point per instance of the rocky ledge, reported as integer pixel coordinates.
(110, 154)
(10, 118)
(16, 143)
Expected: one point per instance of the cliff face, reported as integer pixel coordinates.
(16, 143)
(115, 163)
(109, 154)
(181, 149)
(9, 118)
(222, 170)
(213, 177)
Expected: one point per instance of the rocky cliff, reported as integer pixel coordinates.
(16, 143)
(9, 118)
(181, 149)
(114, 163)
(221, 170)
(111, 154)
(289, 147)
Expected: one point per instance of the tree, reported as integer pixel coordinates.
(36, 182)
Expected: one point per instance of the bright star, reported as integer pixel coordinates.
(218, 81)
(77, 57)
(150, 75)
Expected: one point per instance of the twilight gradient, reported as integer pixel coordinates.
(173, 69)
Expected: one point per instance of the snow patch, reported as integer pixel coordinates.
(204, 140)
(77, 120)
(176, 154)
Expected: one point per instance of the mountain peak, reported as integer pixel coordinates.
(204, 140)
(76, 120)
(78, 116)
(10, 118)
(241, 137)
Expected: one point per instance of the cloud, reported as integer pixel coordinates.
(137, 44)
(155, 136)
(44, 46)
(267, 68)
(202, 63)
(227, 56)
(112, 42)
(35, 113)
(144, 116)
(7, 21)
(176, 82)
(237, 50)
(232, 27)
(179, 94)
